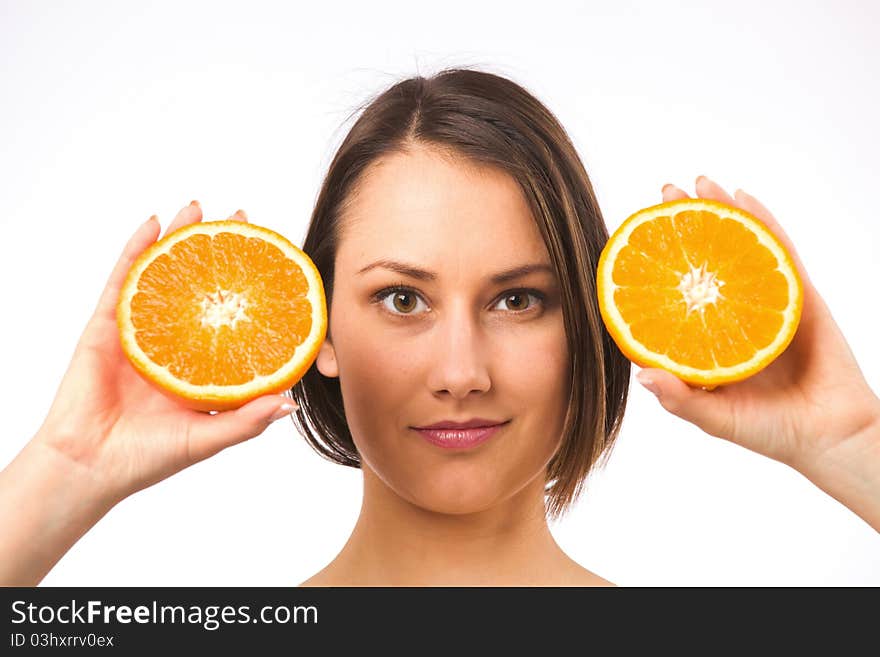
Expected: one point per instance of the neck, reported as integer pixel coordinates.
(397, 543)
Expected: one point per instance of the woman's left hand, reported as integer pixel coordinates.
(810, 406)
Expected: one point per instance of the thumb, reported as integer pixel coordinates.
(706, 409)
(209, 434)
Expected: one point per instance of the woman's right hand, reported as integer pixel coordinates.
(120, 430)
(108, 434)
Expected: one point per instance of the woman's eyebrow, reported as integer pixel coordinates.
(424, 275)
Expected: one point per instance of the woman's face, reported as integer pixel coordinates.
(451, 344)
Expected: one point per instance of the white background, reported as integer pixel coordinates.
(111, 112)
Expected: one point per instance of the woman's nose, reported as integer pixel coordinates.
(459, 354)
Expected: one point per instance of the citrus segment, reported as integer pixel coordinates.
(218, 313)
(699, 288)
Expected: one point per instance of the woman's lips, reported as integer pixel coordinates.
(460, 438)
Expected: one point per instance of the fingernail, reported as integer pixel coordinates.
(648, 383)
(195, 203)
(665, 186)
(242, 213)
(283, 410)
(699, 178)
(152, 218)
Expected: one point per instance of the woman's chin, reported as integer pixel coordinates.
(456, 502)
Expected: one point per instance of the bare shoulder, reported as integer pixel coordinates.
(321, 578)
(587, 578)
(318, 579)
(330, 575)
(573, 574)
(577, 575)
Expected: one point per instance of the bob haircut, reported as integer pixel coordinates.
(491, 121)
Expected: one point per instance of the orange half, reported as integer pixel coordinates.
(699, 288)
(218, 313)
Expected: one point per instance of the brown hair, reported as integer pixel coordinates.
(490, 120)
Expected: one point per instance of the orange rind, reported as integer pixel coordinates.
(218, 313)
(699, 288)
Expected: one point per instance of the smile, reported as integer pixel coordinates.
(460, 438)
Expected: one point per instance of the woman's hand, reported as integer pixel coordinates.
(108, 434)
(811, 408)
(109, 419)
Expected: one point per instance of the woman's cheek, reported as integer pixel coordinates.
(377, 389)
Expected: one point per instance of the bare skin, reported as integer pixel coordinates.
(433, 515)
(98, 443)
(429, 517)
(498, 547)
(424, 518)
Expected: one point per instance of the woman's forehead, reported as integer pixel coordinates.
(424, 205)
(425, 179)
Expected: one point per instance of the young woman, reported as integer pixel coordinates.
(457, 235)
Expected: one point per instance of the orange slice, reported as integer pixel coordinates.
(218, 313)
(699, 288)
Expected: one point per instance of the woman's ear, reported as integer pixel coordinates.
(326, 360)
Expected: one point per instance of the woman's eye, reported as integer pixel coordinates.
(404, 301)
(519, 300)
(399, 302)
